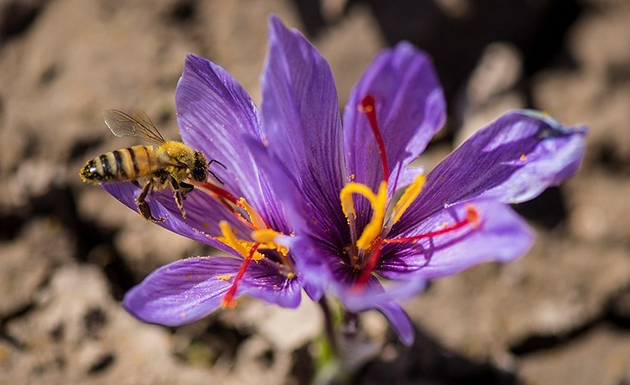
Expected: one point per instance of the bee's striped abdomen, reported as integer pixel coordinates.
(119, 165)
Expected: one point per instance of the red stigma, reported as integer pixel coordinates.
(369, 109)
(217, 192)
(377, 246)
(228, 300)
(472, 218)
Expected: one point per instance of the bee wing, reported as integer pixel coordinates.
(139, 125)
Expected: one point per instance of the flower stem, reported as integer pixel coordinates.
(350, 325)
(328, 324)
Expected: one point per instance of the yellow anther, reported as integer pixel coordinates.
(224, 277)
(240, 246)
(378, 202)
(410, 194)
(267, 238)
(254, 217)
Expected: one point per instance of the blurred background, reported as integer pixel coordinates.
(68, 251)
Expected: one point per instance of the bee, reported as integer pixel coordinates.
(171, 163)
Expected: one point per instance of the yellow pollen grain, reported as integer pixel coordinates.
(410, 194)
(523, 158)
(224, 277)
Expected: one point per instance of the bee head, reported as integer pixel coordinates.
(200, 167)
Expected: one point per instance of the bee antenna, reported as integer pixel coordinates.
(216, 177)
(216, 161)
(213, 174)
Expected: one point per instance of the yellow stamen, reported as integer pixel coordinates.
(378, 202)
(267, 238)
(256, 219)
(240, 246)
(410, 194)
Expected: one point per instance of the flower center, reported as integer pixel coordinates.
(365, 250)
(262, 237)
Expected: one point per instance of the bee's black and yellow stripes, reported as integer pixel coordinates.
(124, 164)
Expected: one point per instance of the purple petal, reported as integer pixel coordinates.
(181, 292)
(263, 281)
(302, 124)
(203, 213)
(410, 109)
(501, 235)
(299, 212)
(512, 160)
(305, 222)
(374, 294)
(400, 322)
(215, 115)
(187, 290)
(314, 274)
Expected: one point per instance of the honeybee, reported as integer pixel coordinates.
(171, 163)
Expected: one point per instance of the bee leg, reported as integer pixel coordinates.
(185, 188)
(179, 193)
(143, 206)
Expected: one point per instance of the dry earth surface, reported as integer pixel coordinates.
(68, 251)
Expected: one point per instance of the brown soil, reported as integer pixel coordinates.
(68, 251)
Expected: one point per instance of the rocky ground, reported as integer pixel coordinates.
(68, 251)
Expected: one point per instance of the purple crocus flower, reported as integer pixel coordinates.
(241, 217)
(368, 228)
(309, 202)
